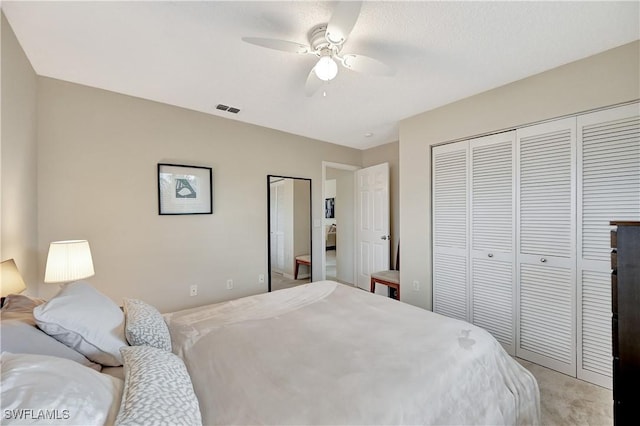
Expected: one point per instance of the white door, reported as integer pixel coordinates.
(546, 244)
(372, 223)
(608, 189)
(278, 222)
(492, 236)
(450, 230)
(474, 233)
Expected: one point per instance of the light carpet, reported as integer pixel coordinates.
(565, 400)
(279, 282)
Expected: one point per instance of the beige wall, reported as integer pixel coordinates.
(94, 166)
(606, 79)
(389, 153)
(18, 165)
(97, 180)
(95, 176)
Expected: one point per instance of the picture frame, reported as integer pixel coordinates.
(184, 190)
(329, 208)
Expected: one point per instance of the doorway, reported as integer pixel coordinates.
(289, 231)
(361, 223)
(338, 223)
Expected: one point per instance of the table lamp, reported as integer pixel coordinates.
(11, 281)
(68, 261)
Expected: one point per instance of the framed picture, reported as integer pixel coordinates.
(329, 208)
(184, 189)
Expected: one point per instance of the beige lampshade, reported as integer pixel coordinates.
(68, 261)
(11, 281)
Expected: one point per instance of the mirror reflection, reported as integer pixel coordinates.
(289, 223)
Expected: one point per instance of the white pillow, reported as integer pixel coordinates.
(85, 320)
(40, 389)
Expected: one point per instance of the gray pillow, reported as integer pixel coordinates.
(144, 325)
(86, 320)
(157, 389)
(20, 337)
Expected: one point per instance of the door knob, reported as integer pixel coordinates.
(490, 255)
(542, 259)
(385, 237)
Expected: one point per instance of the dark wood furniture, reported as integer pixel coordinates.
(625, 305)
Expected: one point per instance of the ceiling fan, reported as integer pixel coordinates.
(326, 42)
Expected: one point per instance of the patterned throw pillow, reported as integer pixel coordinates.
(157, 389)
(144, 325)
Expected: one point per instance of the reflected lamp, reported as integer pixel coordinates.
(11, 281)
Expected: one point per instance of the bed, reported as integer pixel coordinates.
(319, 353)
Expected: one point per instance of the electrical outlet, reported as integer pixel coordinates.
(229, 284)
(261, 278)
(193, 290)
(416, 285)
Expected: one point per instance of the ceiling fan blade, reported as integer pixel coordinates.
(342, 21)
(313, 84)
(367, 65)
(282, 45)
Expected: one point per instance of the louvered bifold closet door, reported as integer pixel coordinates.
(546, 244)
(608, 189)
(492, 257)
(450, 282)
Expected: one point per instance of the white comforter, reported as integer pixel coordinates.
(325, 353)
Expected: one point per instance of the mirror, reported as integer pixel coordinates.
(289, 230)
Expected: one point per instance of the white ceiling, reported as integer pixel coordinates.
(190, 54)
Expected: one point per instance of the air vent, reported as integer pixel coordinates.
(232, 110)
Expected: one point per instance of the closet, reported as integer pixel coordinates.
(521, 234)
(473, 233)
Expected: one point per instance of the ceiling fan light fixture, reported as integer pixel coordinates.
(326, 69)
(335, 38)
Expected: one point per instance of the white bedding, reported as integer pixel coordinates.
(325, 353)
